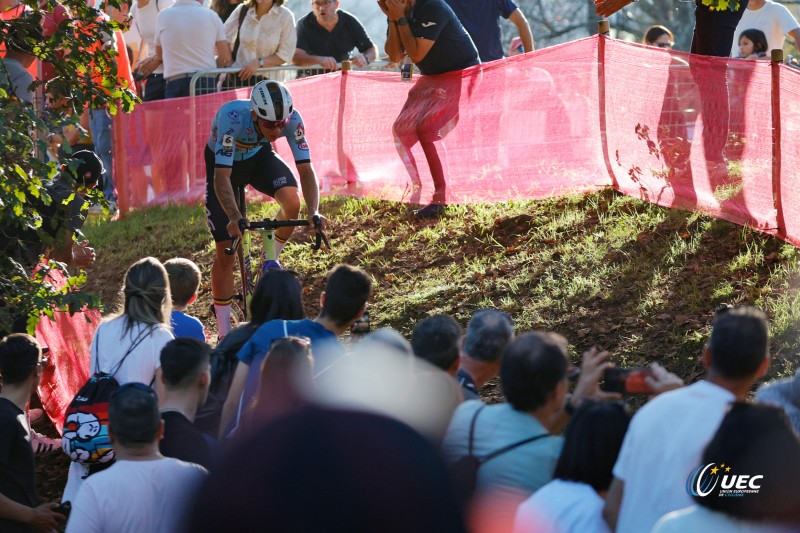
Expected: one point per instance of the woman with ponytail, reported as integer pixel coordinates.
(128, 344)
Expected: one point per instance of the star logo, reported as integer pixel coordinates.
(728, 469)
(714, 470)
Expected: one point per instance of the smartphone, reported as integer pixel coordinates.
(362, 325)
(626, 380)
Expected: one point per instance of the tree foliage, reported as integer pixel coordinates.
(86, 75)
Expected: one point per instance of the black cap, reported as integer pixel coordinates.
(89, 168)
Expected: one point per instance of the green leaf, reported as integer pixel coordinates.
(21, 196)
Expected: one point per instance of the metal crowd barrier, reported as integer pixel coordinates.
(225, 79)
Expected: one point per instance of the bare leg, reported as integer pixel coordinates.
(436, 166)
(289, 201)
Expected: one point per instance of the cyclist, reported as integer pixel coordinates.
(239, 152)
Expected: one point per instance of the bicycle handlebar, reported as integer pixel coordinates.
(272, 224)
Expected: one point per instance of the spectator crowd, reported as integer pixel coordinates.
(283, 426)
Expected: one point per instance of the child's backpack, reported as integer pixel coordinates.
(85, 435)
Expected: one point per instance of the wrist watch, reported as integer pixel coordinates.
(402, 21)
(261, 62)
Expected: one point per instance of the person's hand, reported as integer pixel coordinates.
(323, 222)
(233, 227)
(82, 255)
(147, 66)
(383, 6)
(588, 386)
(327, 62)
(248, 70)
(662, 380)
(606, 8)
(359, 60)
(44, 518)
(396, 9)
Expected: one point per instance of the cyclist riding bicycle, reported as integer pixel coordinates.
(239, 152)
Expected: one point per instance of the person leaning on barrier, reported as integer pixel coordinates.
(239, 153)
(186, 37)
(266, 37)
(327, 35)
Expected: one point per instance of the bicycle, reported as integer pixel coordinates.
(250, 271)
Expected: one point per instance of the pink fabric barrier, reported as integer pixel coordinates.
(68, 337)
(682, 131)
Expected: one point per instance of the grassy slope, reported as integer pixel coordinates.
(602, 269)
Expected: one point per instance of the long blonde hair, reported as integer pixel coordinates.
(146, 294)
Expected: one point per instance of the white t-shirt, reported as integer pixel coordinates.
(697, 518)
(137, 496)
(143, 21)
(109, 345)
(187, 34)
(771, 18)
(562, 507)
(664, 443)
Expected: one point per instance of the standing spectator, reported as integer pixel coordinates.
(573, 501)
(752, 44)
(223, 8)
(184, 281)
(142, 490)
(488, 333)
(185, 376)
(327, 36)
(186, 37)
(21, 365)
(144, 15)
(659, 36)
(430, 35)
(481, 20)
(773, 18)
(670, 432)
(345, 298)
(130, 342)
(753, 440)
(437, 340)
(534, 379)
(19, 57)
(262, 34)
(9, 10)
(784, 393)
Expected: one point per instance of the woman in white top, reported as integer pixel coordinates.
(267, 37)
(573, 502)
(128, 345)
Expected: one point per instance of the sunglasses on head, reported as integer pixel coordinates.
(272, 124)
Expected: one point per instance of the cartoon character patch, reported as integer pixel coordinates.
(299, 134)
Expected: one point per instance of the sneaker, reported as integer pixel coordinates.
(430, 211)
(42, 445)
(272, 263)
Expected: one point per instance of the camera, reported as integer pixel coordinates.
(626, 380)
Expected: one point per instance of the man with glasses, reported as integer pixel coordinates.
(142, 490)
(239, 153)
(21, 365)
(327, 35)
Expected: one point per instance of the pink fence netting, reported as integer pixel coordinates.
(68, 337)
(682, 131)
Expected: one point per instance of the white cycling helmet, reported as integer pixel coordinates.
(271, 100)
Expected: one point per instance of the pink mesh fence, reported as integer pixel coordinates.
(681, 131)
(68, 337)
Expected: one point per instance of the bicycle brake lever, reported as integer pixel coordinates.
(234, 245)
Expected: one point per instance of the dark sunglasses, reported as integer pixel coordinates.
(665, 45)
(272, 124)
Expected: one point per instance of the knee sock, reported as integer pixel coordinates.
(279, 244)
(222, 309)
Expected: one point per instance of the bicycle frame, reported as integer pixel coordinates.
(250, 273)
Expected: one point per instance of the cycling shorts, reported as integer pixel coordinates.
(265, 171)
